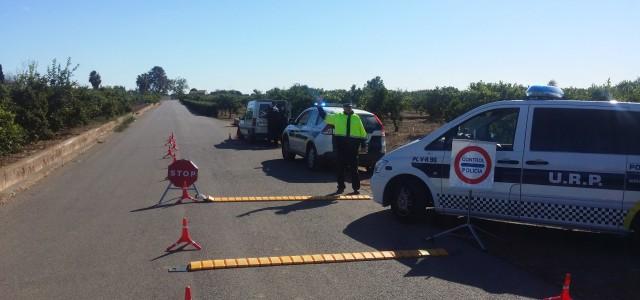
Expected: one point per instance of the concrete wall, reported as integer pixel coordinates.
(28, 170)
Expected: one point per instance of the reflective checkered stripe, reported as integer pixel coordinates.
(490, 206)
(552, 212)
(586, 215)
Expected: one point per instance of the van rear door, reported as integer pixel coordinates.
(630, 122)
(574, 168)
(261, 121)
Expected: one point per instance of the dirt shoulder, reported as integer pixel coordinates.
(413, 126)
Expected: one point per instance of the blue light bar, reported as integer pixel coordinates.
(544, 92)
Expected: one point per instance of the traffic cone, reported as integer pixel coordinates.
(185, 237)
(564, 295)
(169, 152)
(185, 193)
(187, 293)
(170, 139)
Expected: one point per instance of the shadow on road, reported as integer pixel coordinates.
(295, 172)
(236, 144)
(286, 209)
(168, 203)
(179, 249)
(602, 266)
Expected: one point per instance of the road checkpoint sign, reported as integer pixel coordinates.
(472, 164)
(182, 171)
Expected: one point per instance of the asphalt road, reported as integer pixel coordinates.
(88, 230)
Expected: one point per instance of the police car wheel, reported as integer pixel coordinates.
(286, 152)
(408, 200)
(239, 134)
(311, 158)
(635, 235)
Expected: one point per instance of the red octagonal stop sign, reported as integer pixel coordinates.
(183, 171)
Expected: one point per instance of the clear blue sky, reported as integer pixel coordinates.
(329, 44)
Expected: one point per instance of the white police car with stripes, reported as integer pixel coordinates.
(565, 163)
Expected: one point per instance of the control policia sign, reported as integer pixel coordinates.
(472, 164)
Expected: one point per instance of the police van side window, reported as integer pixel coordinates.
(577, 130)
(497, 125)
(629, 125)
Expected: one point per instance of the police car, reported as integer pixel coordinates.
(309, 137)
(563, 163)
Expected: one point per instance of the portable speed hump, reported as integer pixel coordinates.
(182, 175)
(471, 168)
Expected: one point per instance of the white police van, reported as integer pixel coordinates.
(564, 163)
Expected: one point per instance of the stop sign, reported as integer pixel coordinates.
(182, 172)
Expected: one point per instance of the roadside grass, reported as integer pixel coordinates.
(124, 124)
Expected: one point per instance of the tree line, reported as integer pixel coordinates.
(439, 104)
(35, 106)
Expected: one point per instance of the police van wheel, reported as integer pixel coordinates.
(408, 202)
(286, 152)
(311, 158)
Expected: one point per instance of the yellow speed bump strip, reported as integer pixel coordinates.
(215, 264)
(288, 198)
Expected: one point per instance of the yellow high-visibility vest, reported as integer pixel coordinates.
(339, 122)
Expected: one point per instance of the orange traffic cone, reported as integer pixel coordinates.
(185, 237)
(170, 140)
(564, 295)
(187, 293)
(185, 193)
(169, 153)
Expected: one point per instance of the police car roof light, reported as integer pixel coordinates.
(544, 92)
(335, 105)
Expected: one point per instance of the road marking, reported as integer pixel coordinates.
(288, 198)
(231, 263)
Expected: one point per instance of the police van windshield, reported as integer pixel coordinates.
(264, 108)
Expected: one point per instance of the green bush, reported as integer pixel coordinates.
(11, 134)
(203, 108)
(36, 107)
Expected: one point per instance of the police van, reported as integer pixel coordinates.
(562, 163)
(253, 125)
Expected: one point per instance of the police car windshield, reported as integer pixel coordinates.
(370, 123)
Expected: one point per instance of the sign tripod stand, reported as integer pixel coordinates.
(472, 228)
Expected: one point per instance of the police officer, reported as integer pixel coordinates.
(273, 124)
(348, 134)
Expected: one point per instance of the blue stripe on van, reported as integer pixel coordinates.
(633, 181)
(594, 180)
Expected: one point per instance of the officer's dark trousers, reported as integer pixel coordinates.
(347, 160)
